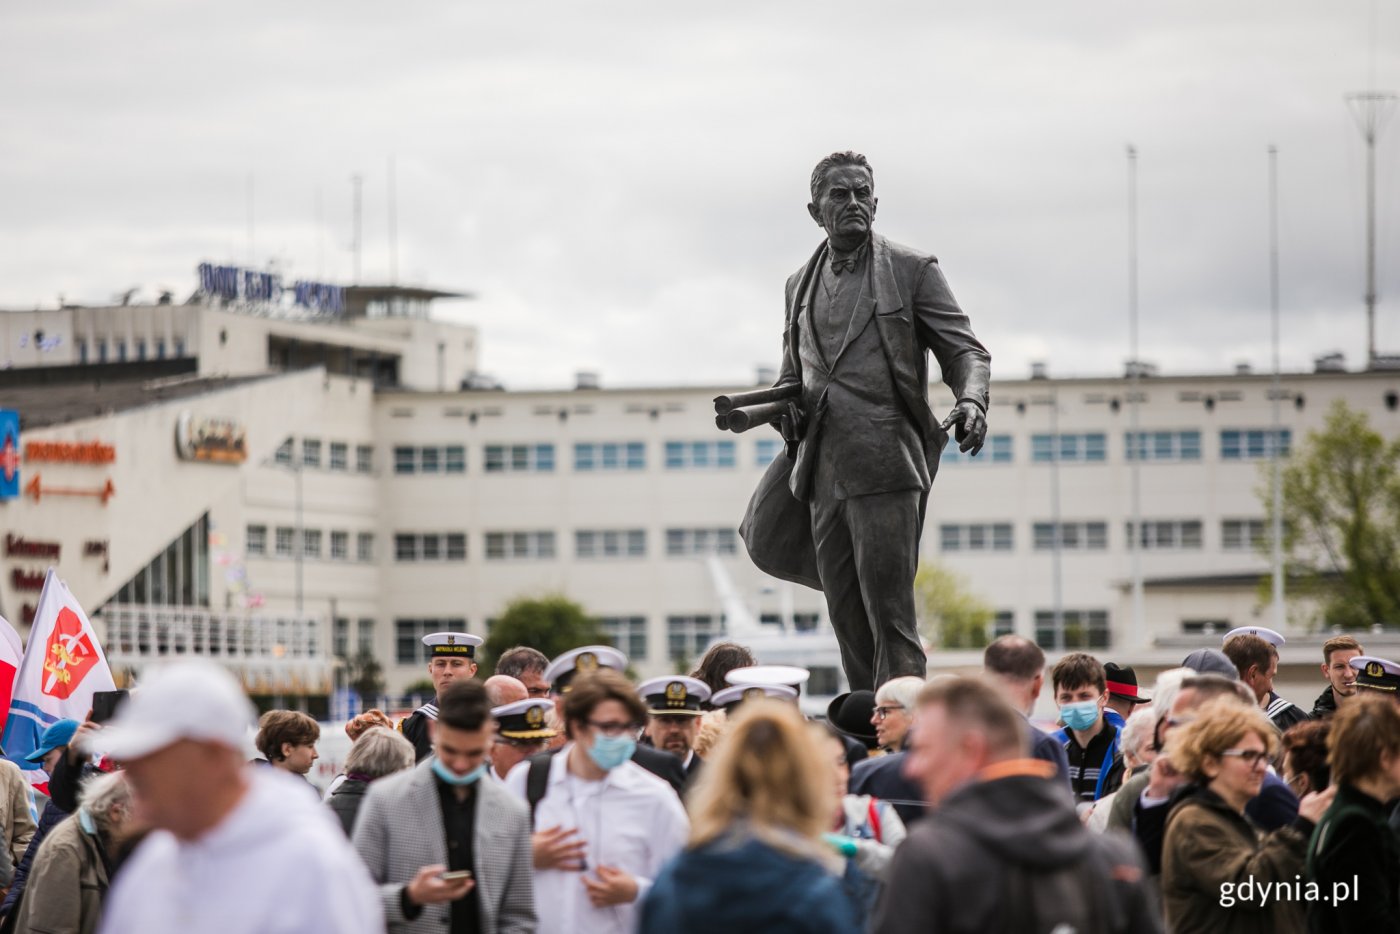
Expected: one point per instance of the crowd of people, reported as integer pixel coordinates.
(561, 797)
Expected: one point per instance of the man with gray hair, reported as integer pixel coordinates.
(1002, 848)
(235, 849)
(526, 665)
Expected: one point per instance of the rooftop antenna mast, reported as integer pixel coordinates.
(356, 183)
(393, 227)
(1139, 632)
(1372, 109)
(1275, 443)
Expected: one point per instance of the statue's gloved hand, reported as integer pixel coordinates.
(971, 426)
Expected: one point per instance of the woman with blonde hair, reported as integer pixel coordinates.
(756, 860)
(1213, 857)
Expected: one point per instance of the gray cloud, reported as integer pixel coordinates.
(624, 183)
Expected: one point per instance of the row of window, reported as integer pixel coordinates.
(118, 349)
(284, 543)
(337, 455)
(588, 543)
(1092, 447)
(1157, 534)
(621, 456)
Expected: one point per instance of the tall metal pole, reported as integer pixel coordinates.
(1276, 464)
(1056, 559)
(1139, 630)
(1371, 109)
(301, 530)
(252, 252)
(356, 181)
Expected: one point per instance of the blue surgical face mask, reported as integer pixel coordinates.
(1080, 716)
(608, 752)
(447, 775)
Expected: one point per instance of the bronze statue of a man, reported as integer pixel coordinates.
(844, 511)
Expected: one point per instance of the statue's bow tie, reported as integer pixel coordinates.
(839, 266)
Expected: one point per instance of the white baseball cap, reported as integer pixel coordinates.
(191, 699)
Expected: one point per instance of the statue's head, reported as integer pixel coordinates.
(843, 197)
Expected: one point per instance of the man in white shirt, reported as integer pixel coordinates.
(236, 849)
(628, 821)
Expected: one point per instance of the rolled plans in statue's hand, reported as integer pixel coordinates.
(738, 400)
(753, 415)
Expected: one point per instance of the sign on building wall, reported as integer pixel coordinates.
(9, 453)
(254, 287)
(213, 440)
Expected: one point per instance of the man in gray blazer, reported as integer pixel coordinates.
(451, 852)
(844, 514)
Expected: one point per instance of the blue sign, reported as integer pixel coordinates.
(9, 453)
(236, 284)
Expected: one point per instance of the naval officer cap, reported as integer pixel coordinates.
(769, 675)
(562, 671)
(1268, 635)
(524, 719)
(1378, 674)
(451, 644)
(734, 695)
(675, 695)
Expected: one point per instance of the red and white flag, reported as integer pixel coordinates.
(11, 651)
(63, 666)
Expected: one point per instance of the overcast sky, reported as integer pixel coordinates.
(623, 185)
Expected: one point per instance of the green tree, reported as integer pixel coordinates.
(553, 624)
(951, 616)
(365, 676)
(1341, 518)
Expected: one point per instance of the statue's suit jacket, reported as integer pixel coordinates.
(913, 311)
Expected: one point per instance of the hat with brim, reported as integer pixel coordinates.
(1211, 662)
(192, 699)
(527, 719)
(57, 735)
(1121, 681)
(851, 712)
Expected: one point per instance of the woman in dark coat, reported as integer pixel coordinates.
(1354, 849)
(756, 860)
(378, 752)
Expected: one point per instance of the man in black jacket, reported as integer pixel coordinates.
(1337, 654)
(1002, 849)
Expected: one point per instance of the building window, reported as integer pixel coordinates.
(408, 637)
(1162, 445)
(121, 350)
(365, 636)
(430, 546)
(1242, 534)
(610, 543)
(626, 633)
(699, 455)
(1077, 629)
(102, 350)
(765, 451)
(286, 541)
(1074, 536)
(1069, 449)
(683, 542)
(140, 348)
(364, 546)
(997, 450)
(1003, 624)
(687, 636)
(82, 349)
(340, 637)
(610, 456)
(987, 536)
(364, 458)
(519, 458)
(340, 546)
(160, 348)
(405, 460)
(429, 460)
(283, 454)
(454, 459)
(801, 622)
(340, 456)
(310, 452)
(257, 539)
(1253, 443)
(311, 542)
(508, 546)
(1206, 627)
(1168, 535)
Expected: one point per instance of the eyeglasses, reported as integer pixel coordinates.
(614, 727)
(1250, 757)
(883, 712)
